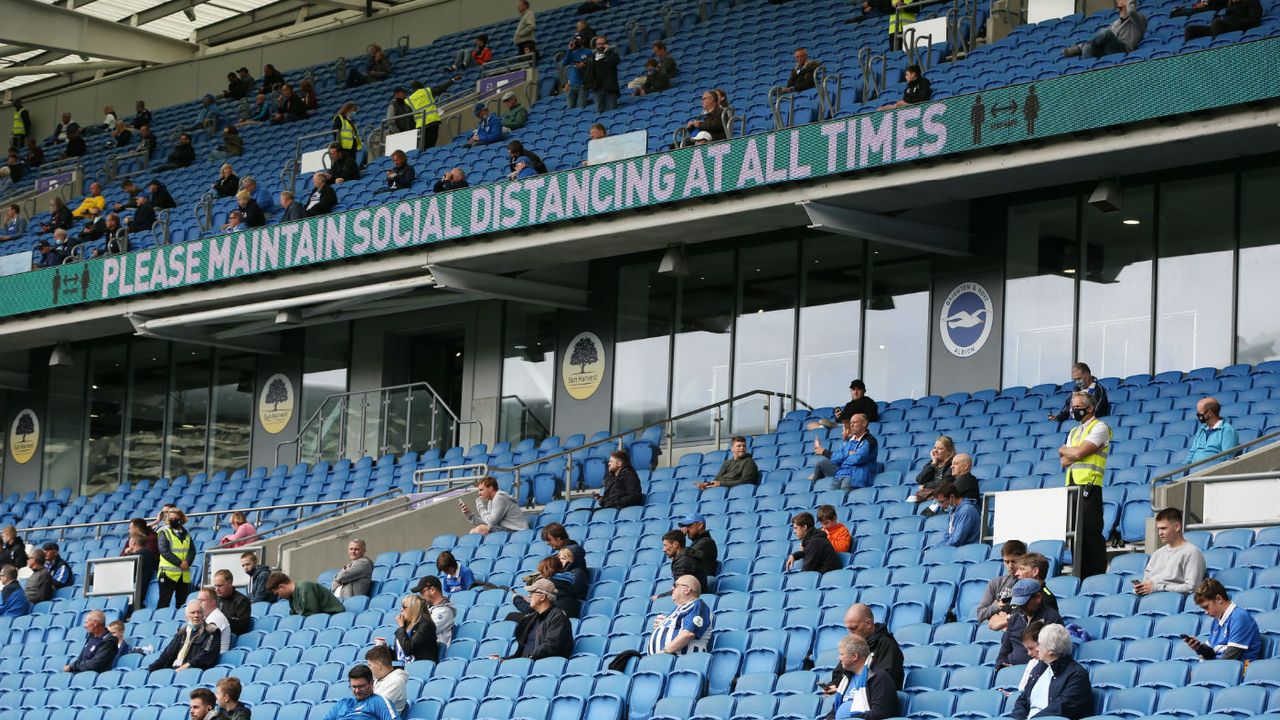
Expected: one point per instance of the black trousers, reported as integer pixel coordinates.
(430, 134)
(1093, 552)
(173, 589)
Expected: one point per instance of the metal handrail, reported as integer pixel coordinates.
(528, 411)
(344, 505)
(1210, 480)
(1229, 452)
(451, 480)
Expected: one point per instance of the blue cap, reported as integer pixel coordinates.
(1024, 590)
(690, 519)
(479, 106)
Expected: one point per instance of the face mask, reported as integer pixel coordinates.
(1078, 413)
(1200, 417)
(1080, 384)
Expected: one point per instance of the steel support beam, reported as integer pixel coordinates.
(65, 68)
(83, 34)
(871, 226)
(258, 20)
(509, 288)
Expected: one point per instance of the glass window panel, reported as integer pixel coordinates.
(1257, 324)
(1040, 291)
(528, 372)
(830, 319)
(897, 353)
(642, 355)
(189, 397)
(765, 334)
(701, 373)
(64, 424)
(324, 373)
(107, 379)
(1193, 283)
(1115, 292)
(232, 412)
(148, 392)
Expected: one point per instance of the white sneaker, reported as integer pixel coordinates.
(911, 498)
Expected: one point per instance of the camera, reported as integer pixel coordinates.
(1005, 598)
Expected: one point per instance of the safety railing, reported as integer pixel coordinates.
(1214, 458)
(1193, 520)
(454, 476)
(526, 415)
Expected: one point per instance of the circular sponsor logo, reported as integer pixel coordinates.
(276, 403)
(965, 321)
(24, 436)
(583, 368)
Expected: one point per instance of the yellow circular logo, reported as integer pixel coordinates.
(583, 367)
(276, 403)
(24, 436)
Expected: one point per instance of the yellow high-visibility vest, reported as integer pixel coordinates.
(907, 19)
(19, 127)
(179, 548)
(348, 138)
(1087, 470)
(424, 107)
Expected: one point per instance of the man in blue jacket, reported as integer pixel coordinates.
(99, 651)
(853, 464)
(489, 129)
(1213, 434)
(363, 704)
(13, 601)
(963, 525)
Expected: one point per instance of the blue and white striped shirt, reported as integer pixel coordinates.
(693, 616)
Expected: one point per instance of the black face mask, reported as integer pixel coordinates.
(1200, 417)
(1078, 413)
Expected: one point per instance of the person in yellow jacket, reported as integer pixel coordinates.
(1084, 458)
(426, 115)
(898, 21)
(92, 205)
(345, 133)
(177, 555)
(21, 126)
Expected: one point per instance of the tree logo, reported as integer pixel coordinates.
(276, 403)
(583, 366)
(24, 436)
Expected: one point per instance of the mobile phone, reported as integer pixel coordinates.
(1135, 582)
(1185, 637)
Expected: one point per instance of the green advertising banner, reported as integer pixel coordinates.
(1101, 98)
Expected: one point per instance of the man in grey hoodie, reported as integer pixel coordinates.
(495, 510)
(1122, 36)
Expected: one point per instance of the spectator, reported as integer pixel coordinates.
(160, 196)
(232, 144)
(853, 464)
(116, 628)
(591, 6)
(964, 525)
(575, 68)
(1122, 36)
(235, 222)
(162, 517)
(815, 550)
(1233, 635)
(291, 107)
(213, 616)
(583, 30)
(60, 130)
(241, 528)
(1084, 458)
(937, 471)
(59, 216)
(545, 630)
(455, 179)
(1229, 16)
(15, 226)
(21, 124)
(399, 114)
(480, 54)
(898, 22)
(455, 576)
(182, 155)
(1030, 641)
(75, 144)
(108, 227)
(837, 534)
(13, 601)
(12, 550)
(1083, 381)
(681, 563)
(356, 577)
(388, 681)
(576, 574)
(653, 80)
(918, 89)
(249, 210)
(361, 705)
(802, 75)
(177, 554)
(228, 183)
(712, 119)
(307, 94)
(423, 102)
(495, 510)
(261, 195)
(146, 142)
(567, 597)
(236, 89)
(292, 210)
(962, 477)
(687, 629)
(1213, 434)
(120, 135)
(702, 547)
(525, 39)
(202, 704)
(557, 538)
(1028, 606)
(865, 692)
(488, 130)
(1057, 686)
(143, 217)
(443, 613)
(233, 605)
(1177, 565)
(1034, 566)
(999, 591)
(130, 189)
(524, 162)
(99, 651)
(93, 203)
(621, 483)
(35, 156)
(227, 696)
(305, 597)
(514, 115)
(39, 585)
(271, 79)
(196, 644)
(379, 69)
(259, 112)
(50, 256)
(59, 571)
(208, 117)
(258, 577)
(601, 75)
(322, 198)
(597, 132)
(415, 631)
(737, 469)
(401, 175)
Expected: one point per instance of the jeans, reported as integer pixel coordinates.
(577, 97)
(824, 468)
(606, 100)
(1104, 42)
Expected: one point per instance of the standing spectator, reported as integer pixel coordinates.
(681, 563)
(21, 125)
(177, 554)
(59, 571)
(1028, 606)
(1177, 565)
(233, 605)
(455, 179)
(544, 631)
(936, 472)
(865, 692)
(291, 107)
(213, 616)
(182, 155)
(305, 597)
(964, 525)
(802, 75)
(1083, 381)
(1057, 686)
(495, 510)
(39, 585)
(737, 469)
(388, 681)
(853, 464)
(363, 703)
(196, 644)
(241, 528)
(227, 697)
(999, 589)
(345, 132)
(232, 145)
(837, 534)
(514, 115)
(479, 54)
(258, 577)
(228, 183)
(99, 651)
(555, 536)
(1229, 16)
(488, 129)
(525, 38)
(443, 613)
(815, 550)
(400, 176)
(143, 542)
(322, 199)
(141, 115)
(13, 601)
(455, 576)
(575, 68)
(898, 21)
(356, 577)
(702, 547)
(918, 89)
(1084, 458)
(601, 75)
(1233, 634)
(12, 550)
(687, 629)
(399, 112)
(292, 210)
(415, 631)
(1213, 434)
(1122, 36)
(621, 483)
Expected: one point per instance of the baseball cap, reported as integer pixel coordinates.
(703, 135)
(508, 96)
(1024, 590)
(478, 108)
(857, 385)
(544, 586)
(426, 582)
(690, 519)
(50, 546)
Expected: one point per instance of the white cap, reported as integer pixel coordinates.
(703, 135)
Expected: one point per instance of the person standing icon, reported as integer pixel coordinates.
(977, 116)
(1031, 109)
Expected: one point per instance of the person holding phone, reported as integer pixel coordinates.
(496, 511)
(1177, 565)
(1233, 635)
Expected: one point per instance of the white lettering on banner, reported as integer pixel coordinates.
(932, 127)
(795, 170)
(194, 250)
(905, 132)
(510, 209)
(751, 169)
(579, 194)
(401, 235)
(772, 172)
(877, 140)
(664, 178)
(361, 229)
(695, 182)
(220, 255)
(451, 229)
(534, 185)
(599, 202)
(553, 202)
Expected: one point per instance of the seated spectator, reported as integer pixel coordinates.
(489, 129)
(259, 575)
(936, 471)
(524, 162)
(496, 511)
(514, 115)
(1035, 566)
(227, 696)
(213, 616)
(49, 256)
(232, 145)
(681, 562)
(236, 89)
(574, 62)
(555, 536)
(104, 227)
(259, 112)
(858, 403)
(160, 196)
(249, 210)
(322, 199)
(116, 628)
(479, 54)
(801, 77)
(400, 176)
(712, 118)
(379, 69)
(687, 629)
(454, 576)
(141, 115)
(182, 155)
(962, 477)
(60, 131)
(208, 118)
(443, 613)
(1027, 606)
(356, 577)
(1084, 381)
(132, 190)
(241, 528)
(886, 654)
(271, 79)
(1229, 16)
(13, 601)
(59, 571)
(305, 597)
(120, 135)
(1031, 642)
(865, 692)
(455, 179)
(1122, 36)
(35, 156)
(567, 597)
(853, 464)
(307, 93)
(109, 120)
(291, 107)
(964, 525)
(12, 550)
(583, 29)
(93, 203)
(1213, 434)
(918, 89)
(389, 681)
(363, 703)
(702, 547)
(99, 651)
(228, 183)
(75, 144)
(415, 631)
(293, 210)
(17, 170)
(202, 704)
(233, 604)
(1058, 686)
(737, 469)
(993, 608)
(837, 534)
(60, 216)
(621, 483)
(545, 630)
(15, 226)
(260, 195)
(1234, 633)
(576, 574)
(1177, 565)
(654, 79)
(235, 222)
(815, 550)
